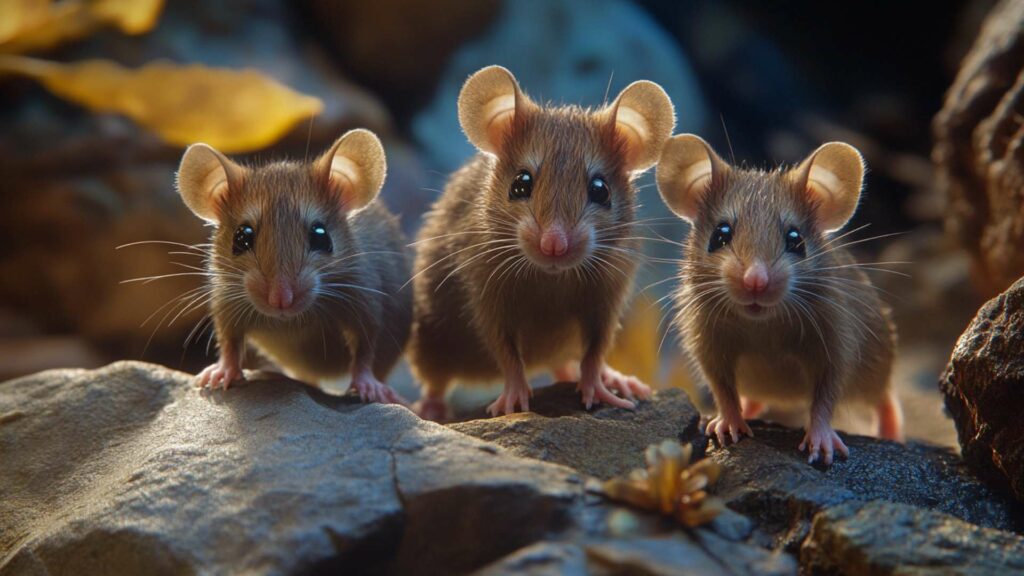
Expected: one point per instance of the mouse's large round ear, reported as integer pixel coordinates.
(489, 103)
(832, 177)
(643, 119)
(205, 178)
(354, 167)
(686, 171)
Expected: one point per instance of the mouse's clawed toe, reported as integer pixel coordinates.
(510, 398)
(372, 390)
(728, 426)
(221, 374)
(629, 387)
(821, 441)
(594, 391)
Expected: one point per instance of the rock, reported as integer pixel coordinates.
(552, 48)
(129, 467)
(768, 480)
(604, 442)
(984, 391)
(978, 149)
(879, 538)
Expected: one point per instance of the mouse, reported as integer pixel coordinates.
(526, 260)
(772, 306)
(305, 264)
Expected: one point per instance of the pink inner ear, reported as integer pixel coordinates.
(499, 127)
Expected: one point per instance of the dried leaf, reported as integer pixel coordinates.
(232, 110)
(30, 25)
(670, 485)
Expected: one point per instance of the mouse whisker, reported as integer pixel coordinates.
(451, 255)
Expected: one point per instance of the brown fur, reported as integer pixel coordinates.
(281, 201)
(831, 338)
(476, 303)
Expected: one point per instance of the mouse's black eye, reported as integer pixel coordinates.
(599, 193)
(720, 237)
(795, 243)
(319, 239)
(245, 238)
(522, 186)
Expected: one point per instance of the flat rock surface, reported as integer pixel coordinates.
(767, 479)
(130, 469)
(129, 466)
(603, 442)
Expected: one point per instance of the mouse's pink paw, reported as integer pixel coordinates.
(510, 398)
(728, 426)
(821, 440)
(372, 390)
(220, 374)
(433, 409)
(628, 386)
(594, 391)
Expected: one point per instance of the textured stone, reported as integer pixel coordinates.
(768, 480)
(979, 149)
(129, 466)
(129, 469)
(879, 538)
(984, 390)
(603, 442)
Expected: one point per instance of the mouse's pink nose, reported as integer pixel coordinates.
(755, 279)
(554, 242)
(280, 295)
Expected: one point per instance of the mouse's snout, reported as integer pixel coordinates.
(280, 294)
(553, 246)
(553, 241)
(756, 286)
(755, 278)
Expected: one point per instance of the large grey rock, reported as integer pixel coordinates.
(129, 467)
(984, 391)
(879, 538)
(603, 442)
(767, 479)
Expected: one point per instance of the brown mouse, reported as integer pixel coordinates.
(526, 260)
(772, 306)
(305, 264)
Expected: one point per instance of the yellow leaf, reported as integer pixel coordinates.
(29, 25)
(232, 110)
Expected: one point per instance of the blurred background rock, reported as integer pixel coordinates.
(763, 83)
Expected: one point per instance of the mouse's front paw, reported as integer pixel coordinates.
(821, 441)
(594, 390)
(628, 386)
(220, 374)
(509, 399)
(725, 426)
(372, 390)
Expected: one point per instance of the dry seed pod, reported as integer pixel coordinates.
(669, 485)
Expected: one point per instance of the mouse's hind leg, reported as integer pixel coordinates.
(567, 372)
(433, 404)
(751, 409)
(890, 418)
